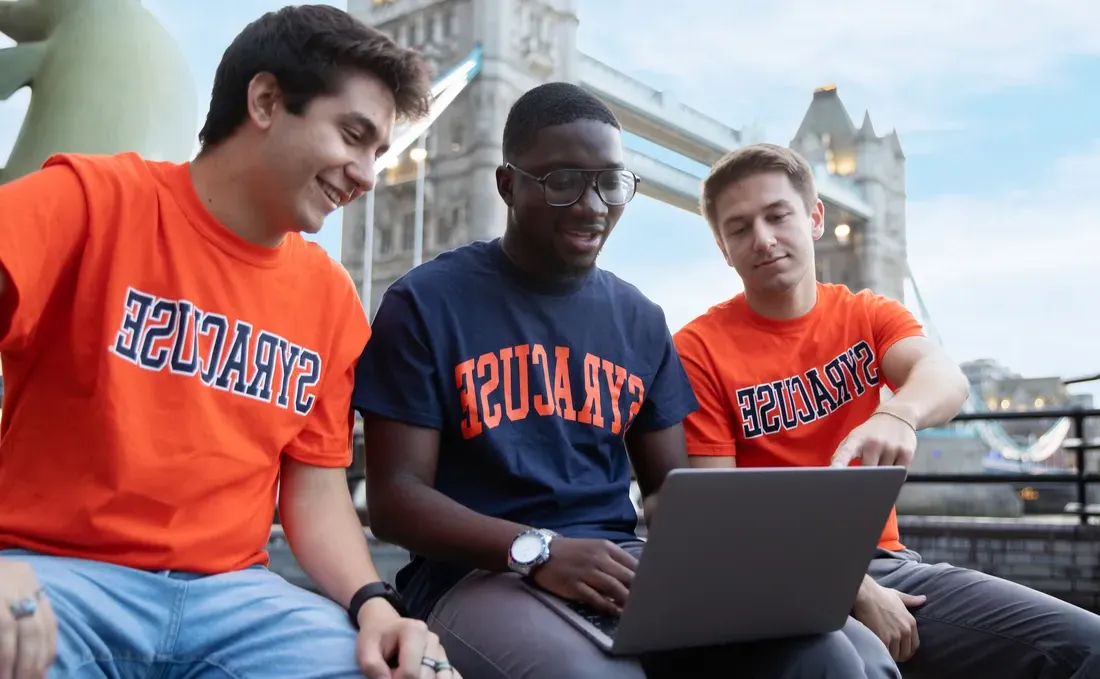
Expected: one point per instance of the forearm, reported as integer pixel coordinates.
(865, 588)
(654, 454)
(428, 523)
(932, 394)
(327, 540)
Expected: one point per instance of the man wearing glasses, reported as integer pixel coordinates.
(506, 390)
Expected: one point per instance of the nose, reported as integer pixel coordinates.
(763, 239)
(590, 205)
(363, 174)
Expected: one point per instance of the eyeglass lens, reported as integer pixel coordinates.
(565, 187)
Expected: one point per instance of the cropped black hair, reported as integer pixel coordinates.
(555, 103)
(310, 49)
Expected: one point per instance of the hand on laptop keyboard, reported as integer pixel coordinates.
(597, 573)
(601, 621)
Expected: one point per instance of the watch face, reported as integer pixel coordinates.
(526, 548)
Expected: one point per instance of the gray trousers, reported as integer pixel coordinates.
(975, 625)
(493, 629)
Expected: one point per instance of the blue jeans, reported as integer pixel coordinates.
(117, 623)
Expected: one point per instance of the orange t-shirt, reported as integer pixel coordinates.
(786, 393)
(157, 366)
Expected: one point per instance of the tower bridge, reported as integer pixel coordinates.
(522, 43)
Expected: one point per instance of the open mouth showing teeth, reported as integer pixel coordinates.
(584, 235)
(332, 193)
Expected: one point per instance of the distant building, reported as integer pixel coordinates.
(1003, 390)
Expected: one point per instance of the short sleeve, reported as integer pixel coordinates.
(891, 322)
(397, 378)
(710, 429)
(43, 230)
(669, 398)
(325, 441)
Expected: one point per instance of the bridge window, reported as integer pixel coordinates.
(408, 231)
(436, 24)
(384, 238)
(446, 226)
(458, 136)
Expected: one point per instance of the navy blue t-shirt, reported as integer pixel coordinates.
(532, 389)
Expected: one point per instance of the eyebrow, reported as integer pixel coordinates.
(366, 124)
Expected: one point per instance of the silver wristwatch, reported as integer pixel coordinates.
(529, 550)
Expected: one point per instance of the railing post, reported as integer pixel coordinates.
(1081, 456)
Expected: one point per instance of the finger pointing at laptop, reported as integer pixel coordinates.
(885, 439)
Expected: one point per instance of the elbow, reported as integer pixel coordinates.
(380, 516)
(385, 509)
(961, 389)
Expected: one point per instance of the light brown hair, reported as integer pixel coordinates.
(752, 160)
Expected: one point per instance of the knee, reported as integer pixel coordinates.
(834, 656)
(534, 658)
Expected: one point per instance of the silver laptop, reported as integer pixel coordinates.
(738, 555)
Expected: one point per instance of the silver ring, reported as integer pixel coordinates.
(429, 663)
(442, 666)
(25, 608)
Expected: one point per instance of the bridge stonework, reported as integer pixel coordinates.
(860, 175)
(1062, 560)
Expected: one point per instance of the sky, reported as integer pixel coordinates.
(994, 101)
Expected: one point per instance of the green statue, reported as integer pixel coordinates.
(105, 78)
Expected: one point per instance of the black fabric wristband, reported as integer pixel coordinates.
(371, 591)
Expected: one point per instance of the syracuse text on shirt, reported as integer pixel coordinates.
(157, 334)
(502, 378)
(789, 402)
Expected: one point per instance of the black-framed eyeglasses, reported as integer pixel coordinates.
(562, 188)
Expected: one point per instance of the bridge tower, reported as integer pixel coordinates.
(524, 43)
(860, 251)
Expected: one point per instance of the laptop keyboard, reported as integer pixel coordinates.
(601, 621)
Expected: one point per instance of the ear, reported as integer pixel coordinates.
(264, 99)
(817, 220)
(722, 249)
(505, 184)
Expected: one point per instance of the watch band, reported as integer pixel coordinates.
(370, 591)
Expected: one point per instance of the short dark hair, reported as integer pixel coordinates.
(548, 105)
(310, 49)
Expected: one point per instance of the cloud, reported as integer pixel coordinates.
(1013, 274)
(907, 61)
(671, 257)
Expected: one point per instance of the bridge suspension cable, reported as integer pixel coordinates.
(991, 432)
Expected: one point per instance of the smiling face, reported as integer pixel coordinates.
(566, 239)
(766, 232)
(320, 160)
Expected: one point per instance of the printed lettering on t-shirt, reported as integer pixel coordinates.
(531, 380)
(787, 403)
(161, 334)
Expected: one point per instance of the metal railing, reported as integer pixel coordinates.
(1077, 442)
